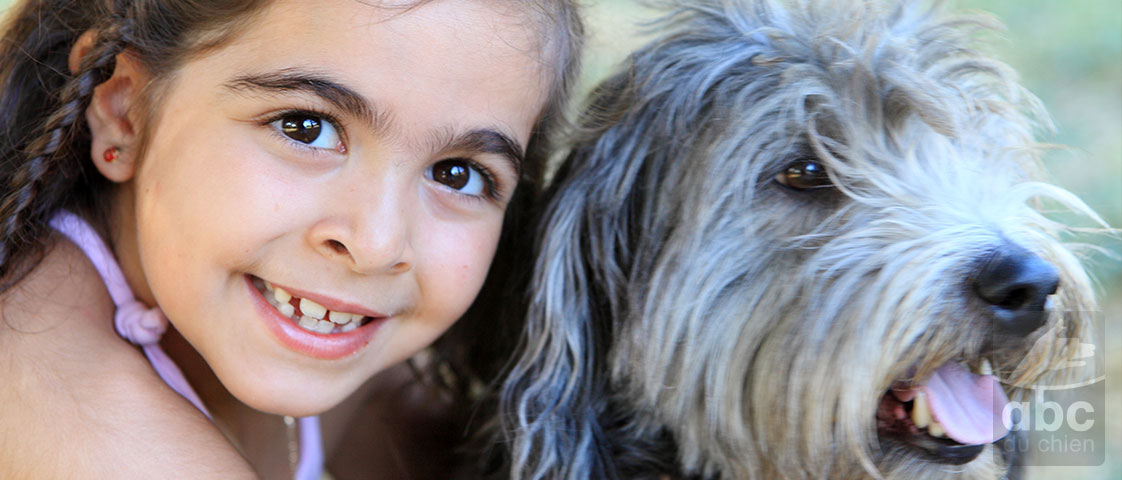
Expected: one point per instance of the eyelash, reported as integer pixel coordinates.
(491, 183)
(327, 117)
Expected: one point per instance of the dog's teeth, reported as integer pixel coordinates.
(936, 430)
(985, 368)
(921, 416)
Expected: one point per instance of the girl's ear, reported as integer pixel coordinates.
(113, 122)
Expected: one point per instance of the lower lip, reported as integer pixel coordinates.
(324, 346)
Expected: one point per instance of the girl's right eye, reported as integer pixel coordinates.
(312, 130)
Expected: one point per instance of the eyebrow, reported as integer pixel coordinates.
(486, 140)
(483, 140)
(297, 80)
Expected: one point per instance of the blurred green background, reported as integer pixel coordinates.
(1069, 53)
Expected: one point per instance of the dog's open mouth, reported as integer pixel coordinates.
(950, 416)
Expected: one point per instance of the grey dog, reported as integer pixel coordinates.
(795, 240)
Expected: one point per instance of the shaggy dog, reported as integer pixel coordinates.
(795, 240)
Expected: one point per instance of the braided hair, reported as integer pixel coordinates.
(44, 140)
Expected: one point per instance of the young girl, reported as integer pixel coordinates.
(273, 200)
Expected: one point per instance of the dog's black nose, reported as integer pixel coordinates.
(1016, 284)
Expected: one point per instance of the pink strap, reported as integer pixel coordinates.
(134, 322)
(145, 326)
(311, 450)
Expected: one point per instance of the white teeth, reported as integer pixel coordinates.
(281, 296)
(936, 430)
(316, 325)
(986, 368)
(314, 317)
(921, 415)
(325, 326)
(312, 309)
(308, 323)
(342, 318)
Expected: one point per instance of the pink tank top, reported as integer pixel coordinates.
(143, 326)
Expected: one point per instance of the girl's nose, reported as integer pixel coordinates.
(368, 240)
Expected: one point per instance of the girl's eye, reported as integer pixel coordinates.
(311, 130)
(459, 174)
(804, 174)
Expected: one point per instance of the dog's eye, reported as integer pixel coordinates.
(804, 174)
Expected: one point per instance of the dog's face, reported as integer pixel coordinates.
(805, 236)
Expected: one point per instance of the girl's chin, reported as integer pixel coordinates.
(288, 391)
(300, 402)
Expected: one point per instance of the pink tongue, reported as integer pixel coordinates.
(968, 406)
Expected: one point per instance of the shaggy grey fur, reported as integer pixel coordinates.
(691, 316)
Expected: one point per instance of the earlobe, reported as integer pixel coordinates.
(112, 120)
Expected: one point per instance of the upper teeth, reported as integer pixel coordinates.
(280, 294)
(985, 368)
(343, 318)
(922, 417)
(314, 317)
(312, 309)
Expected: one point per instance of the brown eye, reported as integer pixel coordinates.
(302, 128)
(458, 174)
(804, 174)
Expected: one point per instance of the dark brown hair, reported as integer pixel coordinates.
(44, 139)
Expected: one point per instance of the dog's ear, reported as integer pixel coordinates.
(549, 398)
(554, 396)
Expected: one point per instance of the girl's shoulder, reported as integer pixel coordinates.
(80, 401)
(60, 301)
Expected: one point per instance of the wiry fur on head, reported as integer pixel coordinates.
(689, 315)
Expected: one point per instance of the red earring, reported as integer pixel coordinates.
(111, 154)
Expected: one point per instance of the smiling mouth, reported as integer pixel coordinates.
(950, 417)
(307, 314)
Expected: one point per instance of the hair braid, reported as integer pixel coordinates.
(54, 160)
(44, 139)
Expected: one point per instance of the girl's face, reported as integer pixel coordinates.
(357, 157)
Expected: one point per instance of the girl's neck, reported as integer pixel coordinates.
(258, 436)
(122, 231)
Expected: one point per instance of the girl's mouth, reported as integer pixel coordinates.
(307, 314)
